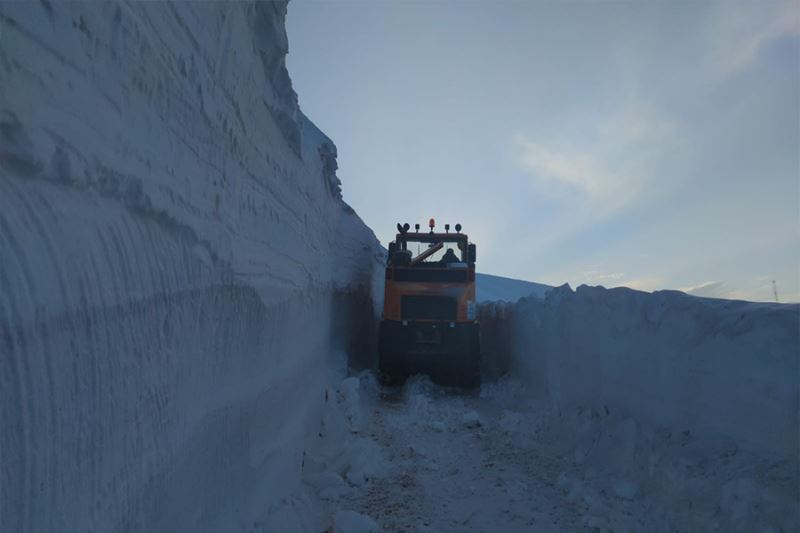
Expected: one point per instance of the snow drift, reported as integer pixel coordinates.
(714, 367)
(174, 251)
(667, 387)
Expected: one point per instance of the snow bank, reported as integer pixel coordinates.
(174, 252)
(661, 399)
(658, 400)
(712, 367)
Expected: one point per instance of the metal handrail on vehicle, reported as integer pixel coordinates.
(427, 253)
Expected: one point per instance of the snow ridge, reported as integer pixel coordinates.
(711, 366)
(702, 391)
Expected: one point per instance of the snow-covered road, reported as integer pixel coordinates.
(425, 459)
(454, 465)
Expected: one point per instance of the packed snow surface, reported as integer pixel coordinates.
(423, 458)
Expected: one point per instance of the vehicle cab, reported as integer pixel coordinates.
(429, 316)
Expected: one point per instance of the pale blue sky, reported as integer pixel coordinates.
(645, 144)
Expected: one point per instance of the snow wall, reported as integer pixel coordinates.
(719, 369)
(174, 256)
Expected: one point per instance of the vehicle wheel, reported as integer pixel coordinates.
(391, 377)
(471, 380)
(471, 375)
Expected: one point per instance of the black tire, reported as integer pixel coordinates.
(471, 374)
(390, 372)
(471, 371)
(391, 377)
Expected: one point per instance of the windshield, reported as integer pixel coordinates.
(448, 252)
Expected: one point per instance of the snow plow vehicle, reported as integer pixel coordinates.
(429, 322)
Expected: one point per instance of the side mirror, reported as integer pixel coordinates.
(471, 253)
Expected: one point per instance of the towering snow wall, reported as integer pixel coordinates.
(173, 253)
(715, 368)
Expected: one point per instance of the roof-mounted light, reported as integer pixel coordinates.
(447, 228)
(416, 228)
(431, 224)
(458, 228)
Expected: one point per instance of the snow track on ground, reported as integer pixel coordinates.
(452, 467)
(427, 459)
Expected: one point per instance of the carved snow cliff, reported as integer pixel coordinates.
(173, 253)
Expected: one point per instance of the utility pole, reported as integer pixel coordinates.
(775, 291)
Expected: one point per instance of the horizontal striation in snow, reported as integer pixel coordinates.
(716, 368)
(173, 253)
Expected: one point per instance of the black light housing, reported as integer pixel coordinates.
(416, 227)
(447, 228)
(399, 228)
(458, 228)
(405, 227)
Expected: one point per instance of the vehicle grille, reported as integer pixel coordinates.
(452, 275)
(428, 308)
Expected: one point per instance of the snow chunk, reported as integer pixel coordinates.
(366, 461)
(350, 400)
(356, 478)
(627, 490)
(471, 419)
(437, 425)
(353, 522)
(324, 480)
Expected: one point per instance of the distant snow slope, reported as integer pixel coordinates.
(494, 288)
(172, 247)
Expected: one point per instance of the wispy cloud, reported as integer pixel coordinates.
(564, 165)
(620, 279)
(742, 29)
(609, 169)
(648, 284)
(711, 289)
(716, 289)
(596, 277)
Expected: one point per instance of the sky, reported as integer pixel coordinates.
(653, 145)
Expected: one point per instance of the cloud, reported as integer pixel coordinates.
(607, 168)
(647, 284)
(596, 277)
(563, 165)
(618, 279)
(742, 29)
(709, 289)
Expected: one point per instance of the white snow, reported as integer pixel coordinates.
(664, 396)
(716, 368)
(178, 274)
(526, 468)
(471, 419)
(172, 243)
(352, 522)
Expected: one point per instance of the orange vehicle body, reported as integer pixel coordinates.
(429, 316)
